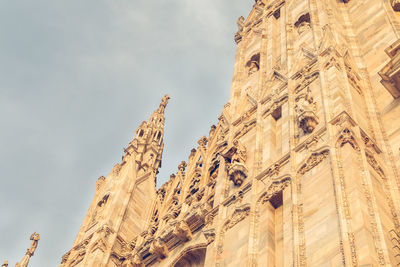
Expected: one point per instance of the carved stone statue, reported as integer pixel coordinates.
(237, 171)
(35, 237)
(305, 103)
(182, 166)
(305, 108)
(240, 24)
(253, 67)
(163, 104)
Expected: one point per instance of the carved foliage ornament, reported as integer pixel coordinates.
(239, 215)
(347, 137)
(274, 188)
(374, 164)
(313, 160)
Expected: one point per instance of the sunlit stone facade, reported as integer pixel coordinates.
(302, 168)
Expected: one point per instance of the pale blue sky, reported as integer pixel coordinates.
(76, 80)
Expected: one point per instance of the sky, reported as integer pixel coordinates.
(76, 80)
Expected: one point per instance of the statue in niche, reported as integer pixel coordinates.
(35, 237)
(306, 112)
(305, 103)
(149, 160)
(237, 171)
(303, 24)
(97, 213)
(253, 64)
(240, 153)
(253, 67)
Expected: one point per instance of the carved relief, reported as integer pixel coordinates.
(238, 215)
(274, 188)
(313, 160)
(374, 164)
(247, 125)
(346, 209)
(272, 171)
(305, 76)
(346, 134)
(352, 75)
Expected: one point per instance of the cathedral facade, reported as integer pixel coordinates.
(302, 168)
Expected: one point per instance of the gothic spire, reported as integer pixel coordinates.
(148, 139)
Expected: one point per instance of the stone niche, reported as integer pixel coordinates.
(390, 73)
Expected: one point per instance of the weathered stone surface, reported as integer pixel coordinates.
(301, 170)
